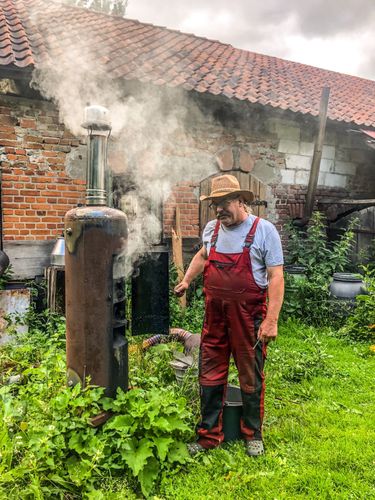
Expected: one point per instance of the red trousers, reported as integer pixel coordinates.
(234, 308)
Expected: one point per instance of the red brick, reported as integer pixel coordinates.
(28, 123)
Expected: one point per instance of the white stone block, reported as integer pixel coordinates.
(287, 146)
(288, 132)
(287, 176)
(335, 180)
(321, 178)
(297, 162)
(328, 152)
(306, 148)
(302, 177)
(345, 167)
(326, 165)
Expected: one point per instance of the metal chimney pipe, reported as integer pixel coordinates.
(99, 128)
(95, 247)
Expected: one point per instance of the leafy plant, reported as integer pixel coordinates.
(48, 445)
(6, 277)
(309, 299)
(361, 323)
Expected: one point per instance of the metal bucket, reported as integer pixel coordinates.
(232, 413)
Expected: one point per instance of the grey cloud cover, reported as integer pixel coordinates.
(341, 29)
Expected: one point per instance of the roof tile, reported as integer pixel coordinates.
(32, 31)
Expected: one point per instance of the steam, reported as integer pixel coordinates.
(146, 128)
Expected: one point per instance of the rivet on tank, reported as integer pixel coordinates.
(95, 240)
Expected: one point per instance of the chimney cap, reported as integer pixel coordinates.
(96, 118)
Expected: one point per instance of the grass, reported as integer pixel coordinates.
(319, 425)
(319, 428)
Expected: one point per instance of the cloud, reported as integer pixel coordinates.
(334, 34)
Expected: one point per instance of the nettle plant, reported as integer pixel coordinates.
(309, 299)
(48, 446)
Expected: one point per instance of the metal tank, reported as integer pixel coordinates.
(95, 245)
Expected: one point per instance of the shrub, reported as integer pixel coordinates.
(309, 299)
(361, 324)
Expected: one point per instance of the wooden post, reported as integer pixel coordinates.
(315, 164)
(177, 253)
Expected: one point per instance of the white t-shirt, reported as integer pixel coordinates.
(266, 250)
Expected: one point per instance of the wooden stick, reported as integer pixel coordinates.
(177, 253)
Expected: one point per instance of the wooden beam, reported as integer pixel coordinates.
(317, 156)
(346, 201)
(177, 253)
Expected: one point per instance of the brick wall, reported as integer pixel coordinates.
(36, 189)
(184, 196)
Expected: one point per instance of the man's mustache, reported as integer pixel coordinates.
(222, 214)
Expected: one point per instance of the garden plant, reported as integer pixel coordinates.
(319, 421)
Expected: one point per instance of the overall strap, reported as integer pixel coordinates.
(250, 235)
(215, 234)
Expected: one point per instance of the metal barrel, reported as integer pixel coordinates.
(95, 239)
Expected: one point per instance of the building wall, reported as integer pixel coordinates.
(37, 189)
(38, 181)
(43, 165)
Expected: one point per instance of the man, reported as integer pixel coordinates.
(242, 264)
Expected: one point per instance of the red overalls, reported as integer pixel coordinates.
(235, 306)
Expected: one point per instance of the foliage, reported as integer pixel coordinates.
(48, 447)
(114, 7)
(310, 248)
(303, 364)
(6, 277)
(309, 299)
(361, 323)
(192, 318)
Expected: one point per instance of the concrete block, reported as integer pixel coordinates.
(288, 132)
(306, 148)
(328, 152)
(326, 165)
(297, 162)
(302, 177)
(287, 176)
(321, 178)
(287, 146)
(284, 129)
(358, 156)
(265, 173)
(343, 154)
(345, 167)
(335, 180)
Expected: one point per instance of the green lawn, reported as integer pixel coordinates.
(319, 427)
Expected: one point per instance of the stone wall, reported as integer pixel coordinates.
(43, 165)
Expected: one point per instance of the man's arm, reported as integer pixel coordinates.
(268, 328)
(196, 267)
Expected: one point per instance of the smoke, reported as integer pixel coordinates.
(149, 131)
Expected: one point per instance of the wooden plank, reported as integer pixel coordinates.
(262, 196)
(177, 253)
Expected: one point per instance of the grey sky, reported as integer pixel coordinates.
(332, 34)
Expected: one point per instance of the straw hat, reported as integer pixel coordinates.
(227, 185)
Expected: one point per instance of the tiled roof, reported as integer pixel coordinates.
(128, 49)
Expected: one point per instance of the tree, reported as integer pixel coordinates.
(114, 7)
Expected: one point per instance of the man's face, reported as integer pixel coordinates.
(230, 211)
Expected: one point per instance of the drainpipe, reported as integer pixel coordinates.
(317, 156)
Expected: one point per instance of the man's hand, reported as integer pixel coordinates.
(268, 330)
(181, 288)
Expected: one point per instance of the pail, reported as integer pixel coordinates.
(232, 414)
(346, 286)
